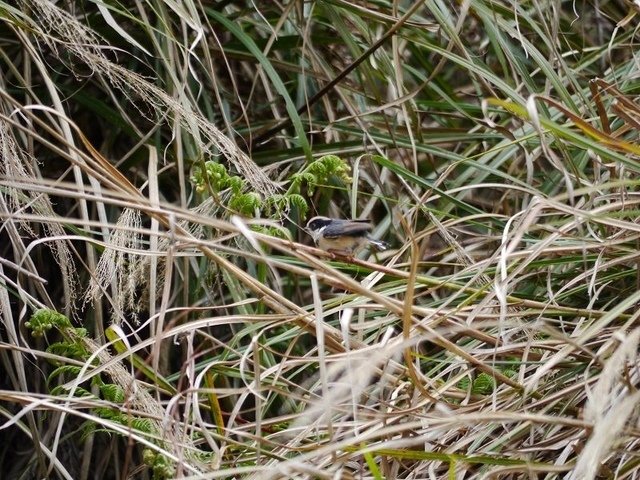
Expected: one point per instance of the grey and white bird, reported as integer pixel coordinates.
(343, 237)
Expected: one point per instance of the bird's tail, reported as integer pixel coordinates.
(379, 245)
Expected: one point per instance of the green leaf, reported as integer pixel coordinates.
(266, 64)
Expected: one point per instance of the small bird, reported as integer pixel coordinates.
(342, 237)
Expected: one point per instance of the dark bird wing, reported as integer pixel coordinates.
(351, 228)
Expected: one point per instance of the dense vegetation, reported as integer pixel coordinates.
(164, 315)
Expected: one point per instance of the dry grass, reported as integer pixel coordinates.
(158, 159)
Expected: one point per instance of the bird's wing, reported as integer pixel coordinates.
(347, 228)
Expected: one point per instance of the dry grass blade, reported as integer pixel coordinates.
(164, 315)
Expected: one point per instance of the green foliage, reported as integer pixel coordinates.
(483, 383)
(371, 463)
(279, 203)
(70, 370)
(72, 347)
(142, 425)
(245, 204)
(69, 349)
(215, 178)
(112, 393)
(78, 392)
(319, 173)
(43, 320)
(160, 465)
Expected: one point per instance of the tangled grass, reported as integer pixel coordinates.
(163, 315)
